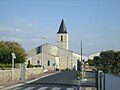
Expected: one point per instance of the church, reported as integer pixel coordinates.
(58, 56)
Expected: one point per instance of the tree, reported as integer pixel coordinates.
(6, 48)
(90, 62)
(108, 61)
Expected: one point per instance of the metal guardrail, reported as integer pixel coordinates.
(106, 81)
(100, 80)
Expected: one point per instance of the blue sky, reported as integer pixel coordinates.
(95, 22)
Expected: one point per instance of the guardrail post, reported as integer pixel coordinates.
(96, 79)
(100, 83)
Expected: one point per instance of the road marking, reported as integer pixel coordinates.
(29, 88)
(1, 87)
(42, 88)
(42, 77)
(56, 88)
(17, 88)
(88, 88)
(80, 88)
(70, 89)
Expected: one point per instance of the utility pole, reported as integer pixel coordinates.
(81, 51)
(82, 67)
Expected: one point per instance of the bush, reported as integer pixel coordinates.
(57, 69)
(29, 66)
(5, 65)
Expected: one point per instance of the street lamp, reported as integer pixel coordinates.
(13, 57)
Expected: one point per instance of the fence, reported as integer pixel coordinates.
(112, 82)
(107, 81)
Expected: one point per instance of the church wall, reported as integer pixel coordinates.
(75, 58)
(62, 44)
(43, 60)
(51, 58)
(50, 49)
(31, 52)
(65, 58)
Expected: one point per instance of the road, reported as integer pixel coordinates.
(65, 80)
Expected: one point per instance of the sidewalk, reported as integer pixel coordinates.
(32, 79)
(89, 81)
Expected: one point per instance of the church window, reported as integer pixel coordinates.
(48, 63)
(61, 38)
(38, 62)
(28, 62)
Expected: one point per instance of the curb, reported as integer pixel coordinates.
(29, 81)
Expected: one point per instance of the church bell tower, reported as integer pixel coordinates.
(62, 36)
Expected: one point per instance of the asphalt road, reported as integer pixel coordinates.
(65, 80)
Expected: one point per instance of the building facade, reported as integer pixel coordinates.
(55, 56)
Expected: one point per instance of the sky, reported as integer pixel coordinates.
(34, 22)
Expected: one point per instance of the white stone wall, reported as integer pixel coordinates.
(62, 44)
(93, 55)
(66, 59)
(52, 60)
(62, 57)
(57, 65)
(49, 53)
(6, 75)
(32, 72)
(75, 58)
(43, 60)
(50, 49)
(31, 52)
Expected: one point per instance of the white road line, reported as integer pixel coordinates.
(80, 88)
(70, 89)
(42, 77)
(42, 88)
(17, 88)
(88, 88)
(1, 87)
(29, 88)
(56, 88)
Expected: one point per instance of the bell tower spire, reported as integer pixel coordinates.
(62, 36)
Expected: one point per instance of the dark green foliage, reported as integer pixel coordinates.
(29, 66)
(5, 65)
(108, 62)
(91, 62)
(6, 48)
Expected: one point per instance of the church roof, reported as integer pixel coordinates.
(62, 28)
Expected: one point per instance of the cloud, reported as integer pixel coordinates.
(35, 39)
(6, 38)
(24, 22)
(9, 29)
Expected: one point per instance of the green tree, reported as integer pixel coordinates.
(108, 61)
(90, 62)
(6, 48)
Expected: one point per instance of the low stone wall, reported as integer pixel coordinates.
(32, 72)
(6, 75)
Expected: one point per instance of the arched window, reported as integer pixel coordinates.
(61, 38)
(48, 63)
(28, 62)
(38, 62)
